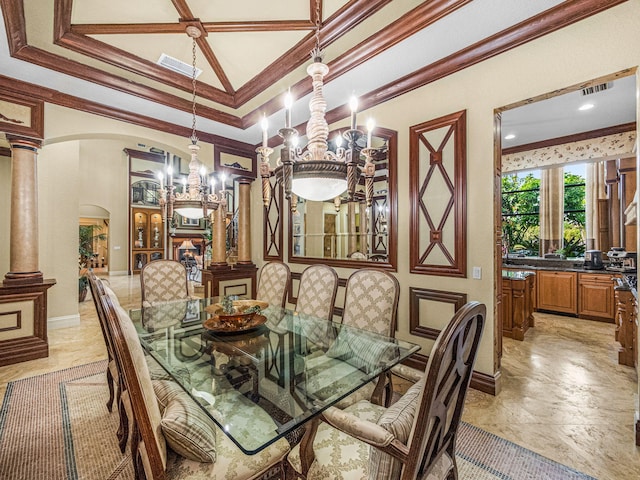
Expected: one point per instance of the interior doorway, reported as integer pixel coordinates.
(94, 237)
(600, 108)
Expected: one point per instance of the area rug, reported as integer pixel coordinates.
(56, 426)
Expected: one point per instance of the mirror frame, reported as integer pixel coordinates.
(391, 136)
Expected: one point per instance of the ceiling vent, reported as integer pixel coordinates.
(177, 66)
(601, 87)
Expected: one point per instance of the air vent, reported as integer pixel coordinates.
(177, 65)
(597, 88)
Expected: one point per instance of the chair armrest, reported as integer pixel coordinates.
(408, 373)
(363, 430)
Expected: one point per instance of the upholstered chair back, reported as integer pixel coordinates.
(163, 281)
(371, 301)
(317, 292)
(273, 283)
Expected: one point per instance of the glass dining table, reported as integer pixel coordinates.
(264, 379)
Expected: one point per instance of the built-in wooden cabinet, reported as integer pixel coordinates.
(517, 305)
(626, 326)
(595, 296)
(147, 233)
(534, 291)
(557, 291)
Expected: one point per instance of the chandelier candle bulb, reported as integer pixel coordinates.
(265, 127)
(370, 126)
(353, 104)
(170, 175)
(161, 178)
(184, 185)
(288, 103)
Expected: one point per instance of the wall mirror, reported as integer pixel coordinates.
(350, 234)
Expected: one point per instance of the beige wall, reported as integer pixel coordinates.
(592, 48)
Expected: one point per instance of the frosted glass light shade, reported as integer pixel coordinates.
(318, 188)
(319, 180)
(190, 212)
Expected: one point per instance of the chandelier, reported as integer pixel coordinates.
(315, 172)
(197, 197)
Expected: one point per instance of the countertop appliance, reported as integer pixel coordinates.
(593, 260)
(621, 261)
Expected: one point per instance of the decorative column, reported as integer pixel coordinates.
(23, 248)
(244, 221)
(219, 237)
(23, 293)
(351, 226)
(364, 227)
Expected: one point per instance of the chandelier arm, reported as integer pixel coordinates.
(369, 173)
(265, 173)
(353, 157)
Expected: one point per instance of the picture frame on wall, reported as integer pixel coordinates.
(189, 222)
(235, 162)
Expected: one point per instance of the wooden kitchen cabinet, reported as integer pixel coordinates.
(557, 291)
(595, 296)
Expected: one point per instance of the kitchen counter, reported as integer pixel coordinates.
(537, 263)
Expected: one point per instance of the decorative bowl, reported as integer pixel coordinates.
(241, 307)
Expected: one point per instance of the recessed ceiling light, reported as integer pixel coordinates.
(511, 136)
(586, 106)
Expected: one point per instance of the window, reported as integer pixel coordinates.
(521, 212)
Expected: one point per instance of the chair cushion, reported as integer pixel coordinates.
(339, 455)
(230, 461)
(187, 428)
(362, 350)
(398, 420)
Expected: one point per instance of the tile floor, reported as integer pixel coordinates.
(564, 395)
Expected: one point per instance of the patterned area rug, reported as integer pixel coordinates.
(56, 426)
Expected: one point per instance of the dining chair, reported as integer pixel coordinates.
(163, 281)
(416, 436)
(115, 382)
(273, 283)
(179, 441)
(370, 304)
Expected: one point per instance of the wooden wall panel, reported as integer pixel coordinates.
(437, 172)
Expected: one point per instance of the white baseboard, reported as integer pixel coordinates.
(62, 322)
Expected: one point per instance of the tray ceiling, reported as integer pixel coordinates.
(252, 51)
